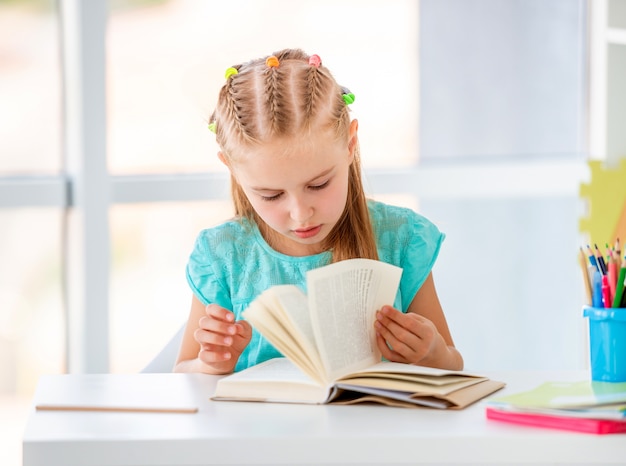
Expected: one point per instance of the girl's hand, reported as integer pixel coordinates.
(221, 339)
(409, 338)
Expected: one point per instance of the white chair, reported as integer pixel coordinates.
(166, 358)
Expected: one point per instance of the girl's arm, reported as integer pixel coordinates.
(421, 336)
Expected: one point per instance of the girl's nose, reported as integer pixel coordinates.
(301, 211)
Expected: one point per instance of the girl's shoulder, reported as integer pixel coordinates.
(233, 228)
(399, 229)
(396, 218)
(234, 234)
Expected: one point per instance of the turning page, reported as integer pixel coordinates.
(343, 300)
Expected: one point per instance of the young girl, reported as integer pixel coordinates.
(284, 132)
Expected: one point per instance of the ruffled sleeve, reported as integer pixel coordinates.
(408, 240)
(422, 249)
(202, 278)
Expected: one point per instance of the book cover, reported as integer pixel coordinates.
(554, 421)
(563, 395)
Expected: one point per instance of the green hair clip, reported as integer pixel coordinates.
(347, 96)
(212, 127)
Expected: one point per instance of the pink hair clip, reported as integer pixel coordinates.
(272, 62)
(315, 60)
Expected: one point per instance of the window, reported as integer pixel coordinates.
(30, 88)
(425, 80)
(32, 323)
(166, 62)
(161, 182)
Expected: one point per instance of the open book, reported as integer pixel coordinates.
(329, 342)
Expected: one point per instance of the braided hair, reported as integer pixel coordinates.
(287, 94)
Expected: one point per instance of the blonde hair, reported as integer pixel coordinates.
(261, 102)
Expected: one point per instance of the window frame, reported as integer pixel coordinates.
(85, 190)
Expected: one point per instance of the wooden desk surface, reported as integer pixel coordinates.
(236, 433)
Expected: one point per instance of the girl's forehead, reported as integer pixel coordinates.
(272, 166)
(294, 147)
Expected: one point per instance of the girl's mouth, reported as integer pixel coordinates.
(304, 233)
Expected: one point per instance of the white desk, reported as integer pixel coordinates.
(236, 433)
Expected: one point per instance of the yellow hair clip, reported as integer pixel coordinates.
(230, 72)
(212, 127)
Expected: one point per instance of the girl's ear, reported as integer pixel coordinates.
(223, 159)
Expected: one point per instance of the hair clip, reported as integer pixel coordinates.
(230, 72)
(272, 62)
(315, 60)
(212, 127)
(347, 96)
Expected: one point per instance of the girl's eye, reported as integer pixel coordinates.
(271, 198)
(319, 186)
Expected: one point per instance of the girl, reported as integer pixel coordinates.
(285, 134)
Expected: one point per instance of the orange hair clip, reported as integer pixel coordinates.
(272, 62)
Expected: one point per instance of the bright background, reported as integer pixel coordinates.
(481, 114)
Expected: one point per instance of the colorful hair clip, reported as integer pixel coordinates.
(230, 72)
(347, 96)
(315, 60)
(212, 127)
(272, 62)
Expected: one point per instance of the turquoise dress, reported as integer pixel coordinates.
(231, 264)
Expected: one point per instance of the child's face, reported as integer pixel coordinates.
(299, 188)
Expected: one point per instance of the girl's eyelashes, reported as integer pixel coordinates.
(277, 196)
(272, 198)
(319, 186)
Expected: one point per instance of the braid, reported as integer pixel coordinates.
(312, 95)
(274, 90)
(230, 111)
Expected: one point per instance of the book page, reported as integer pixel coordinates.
(343, 300)
(276, 380)
(296, 312)
(409, 386)
(292, 336)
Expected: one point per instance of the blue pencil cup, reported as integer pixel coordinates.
(607, 343)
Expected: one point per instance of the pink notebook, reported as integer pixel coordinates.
(592, 426)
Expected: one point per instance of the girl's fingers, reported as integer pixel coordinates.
(391, 329)
(407, 337)
(218, 312)
(203, 337)
(411, 322)
(213, 324)
(405, 350)
(387, 352)
(244, 329)
(213, 355)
